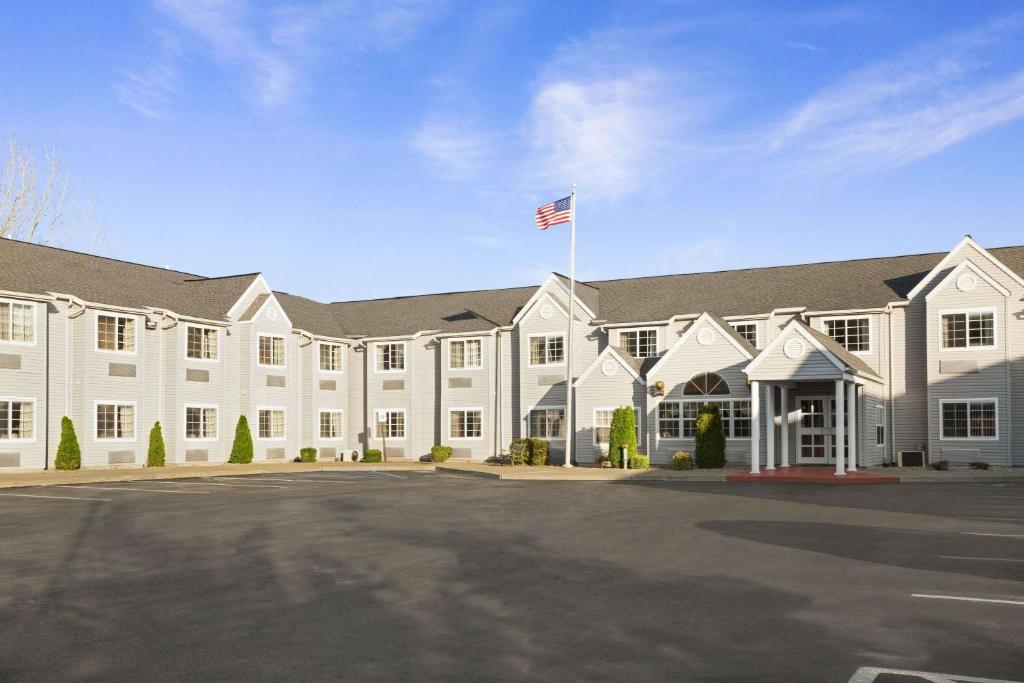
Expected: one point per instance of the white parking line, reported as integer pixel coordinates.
(32, 495)
(966, 599)
(867, 674)
(125, 488)
(978, 533)
(302, 481)
(980, 559)
(215, 483)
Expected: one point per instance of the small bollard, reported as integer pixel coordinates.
(625, 458)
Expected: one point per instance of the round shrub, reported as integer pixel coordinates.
(681, 460)
(440, 453)
(307, 454)
(710, 438)
(639, 462)
(373, 455)
(536, 450)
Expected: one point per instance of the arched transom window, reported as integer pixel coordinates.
(706, 384)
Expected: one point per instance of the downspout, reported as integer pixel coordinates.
(46, 393)
(890, 446)
(497, 393)
(1009, 383)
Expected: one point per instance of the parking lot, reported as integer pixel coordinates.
(421, 575)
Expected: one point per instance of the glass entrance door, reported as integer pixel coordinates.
(815, 445)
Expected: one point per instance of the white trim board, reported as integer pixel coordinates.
(948, 258)
(706, 317)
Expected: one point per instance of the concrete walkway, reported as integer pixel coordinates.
(93, 476)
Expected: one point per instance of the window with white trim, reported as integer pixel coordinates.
(974, 329)
(547, 423)
(853, 334)
(969, 419)
(669, 420)
(271, 423)
(201, 342)
(390, 424)
(115, 333)
(17, 322)
(271, 351)
(331, 357)
(547, 349)
(706, 384)
(115, 421)
(465, 423)
(464, 353)
(201, 422)
(879, 425)
(678, 419)
(17, 419)
(748, 331)
(332, 424)
(390, 357)
(603, 424)
(639, 343)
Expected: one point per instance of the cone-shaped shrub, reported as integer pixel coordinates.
(69, 455)
(156, 456)
(623, 433)
(710, 451)
(241, 449)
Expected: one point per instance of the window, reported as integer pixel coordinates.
(332, 424)
(853, 334)
(464, 353)
(706, 384)
(879, 425)
(391, 357)
(741, 419)
(969, 419)
(968, 330)
(271, 351)
(639, 343)
(271, 423)
(201, 343)
(668, 420)
(331, 357)
(201, 422)
(17, 322)
(115, 421)
(115, 333)
(17, 419)
(547, 349)
(390, 424)
(547, 423)
(603, 424)
(748, 331)
(465, 423)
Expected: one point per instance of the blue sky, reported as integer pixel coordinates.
(366, 149)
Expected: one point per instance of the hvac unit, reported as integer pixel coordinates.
(910, 459)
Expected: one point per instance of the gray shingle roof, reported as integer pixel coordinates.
(736, 336)
(37, 269)
(837, 350)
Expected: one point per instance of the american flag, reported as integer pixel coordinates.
(554, 213)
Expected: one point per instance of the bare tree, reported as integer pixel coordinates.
(44, 205)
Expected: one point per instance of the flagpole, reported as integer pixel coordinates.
(570, 422)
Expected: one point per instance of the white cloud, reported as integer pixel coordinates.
(151, 90)
(456, 148)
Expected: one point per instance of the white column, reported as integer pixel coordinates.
(840, 429)
(755, 427)
(784, 420)
(851, 406)
(769, 409)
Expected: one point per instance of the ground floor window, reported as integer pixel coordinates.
(115, 421)
(465, 423)
(678, 419)
(390, 424)
(17, 419)
(200, 422)
(332, 424)
(975, 419)
(603, 424)
(547, 423)
(879, 425)
(271, 423)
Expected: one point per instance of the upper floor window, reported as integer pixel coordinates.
(115, 421)
(17, 419)
(391, 357)
(748, 331)
(465, 423)
(969, 419)
(547, 349)
(464, 353)
(639, 343)
(271, 351)
(331, 357)
(853, 334)
(975, 329)
(201, 343)
(115, 333)
(706, 384)
(17, 322)
(271, 423)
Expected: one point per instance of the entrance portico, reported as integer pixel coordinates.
(806, 385)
